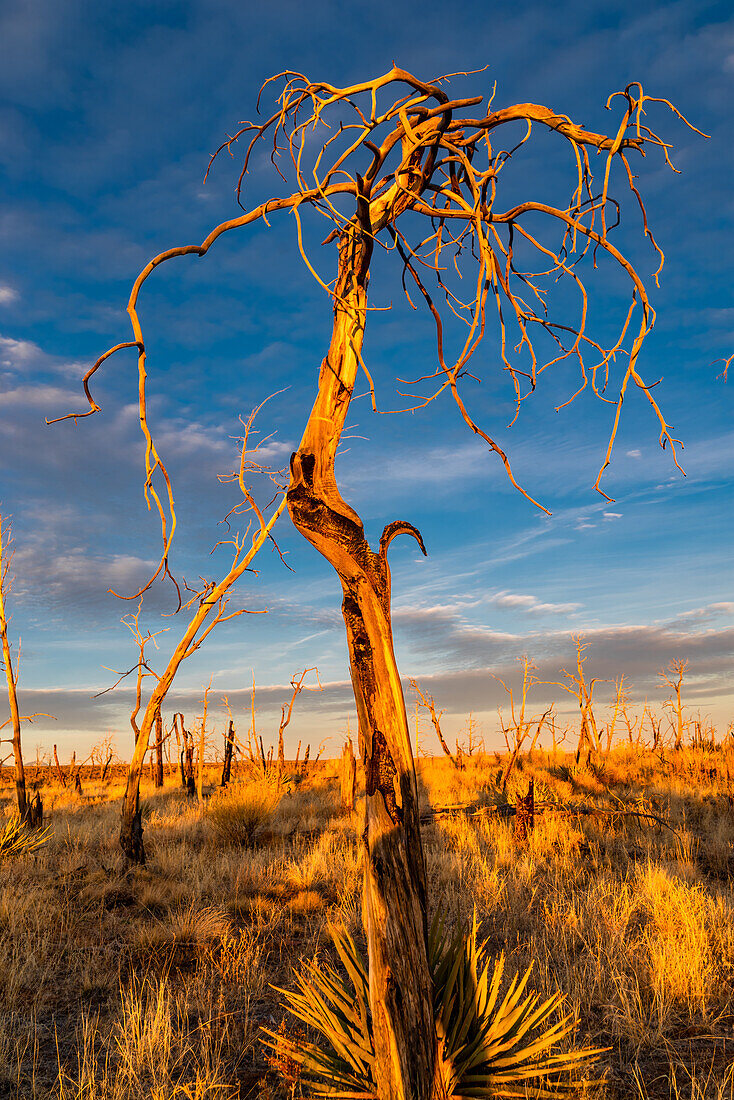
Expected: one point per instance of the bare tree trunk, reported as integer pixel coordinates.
(158, 776)
(395, 877)
(11, 681)
(348, 775)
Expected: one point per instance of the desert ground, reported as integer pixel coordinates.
(121, 982)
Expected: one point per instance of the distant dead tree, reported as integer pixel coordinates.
(186, 758)
(621, 697)
(396, 164)
(30, 812)
(673, 676)
(577, 685)
(229, 748)
(101, 755)
(159, 739)
(207, 607)
(286, 711)
(517, 731)
(428, 702)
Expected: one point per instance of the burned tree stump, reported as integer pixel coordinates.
(525, 814)
(34, 812)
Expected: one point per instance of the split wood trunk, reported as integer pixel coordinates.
(348, 775)
(395, 876)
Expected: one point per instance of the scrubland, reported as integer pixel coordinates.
(120, 983)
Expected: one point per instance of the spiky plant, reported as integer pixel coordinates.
(486, 1046)
(17, 840)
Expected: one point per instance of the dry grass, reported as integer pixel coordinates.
(117, 984)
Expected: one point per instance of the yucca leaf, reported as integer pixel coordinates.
(487, 1047)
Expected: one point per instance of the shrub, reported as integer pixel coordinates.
(241, 816)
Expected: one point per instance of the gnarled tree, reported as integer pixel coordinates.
(396, 163)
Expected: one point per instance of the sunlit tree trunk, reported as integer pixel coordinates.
(20, 792)
(158, 776)
(395, 877)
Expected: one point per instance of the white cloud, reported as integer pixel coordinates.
(612, 515)
(8, 294)
(531, 605)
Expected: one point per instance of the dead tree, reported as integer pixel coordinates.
(202, 746)
(398, 153)
(520, 727)
(229, 747)
(158, 776)
(286, 711)
(207, 608)
(186, 758)
(348, 775)
(673, 676)
(429, 703)
(576, 685)
(59, 772)
(11, 680)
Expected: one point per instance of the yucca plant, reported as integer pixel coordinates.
(17, 840)
(486, 1046)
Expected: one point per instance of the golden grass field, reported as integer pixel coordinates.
(119, 983)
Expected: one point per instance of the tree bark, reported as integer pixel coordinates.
(395, 878)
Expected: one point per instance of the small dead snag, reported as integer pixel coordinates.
(525, 814)
(229, 739)
(429, 703)
(59, 772)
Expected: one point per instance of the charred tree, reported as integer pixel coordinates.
(229, 744)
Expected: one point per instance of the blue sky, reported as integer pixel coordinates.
(108, 114)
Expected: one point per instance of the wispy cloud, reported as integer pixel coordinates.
(531, 605)
(8, 295)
